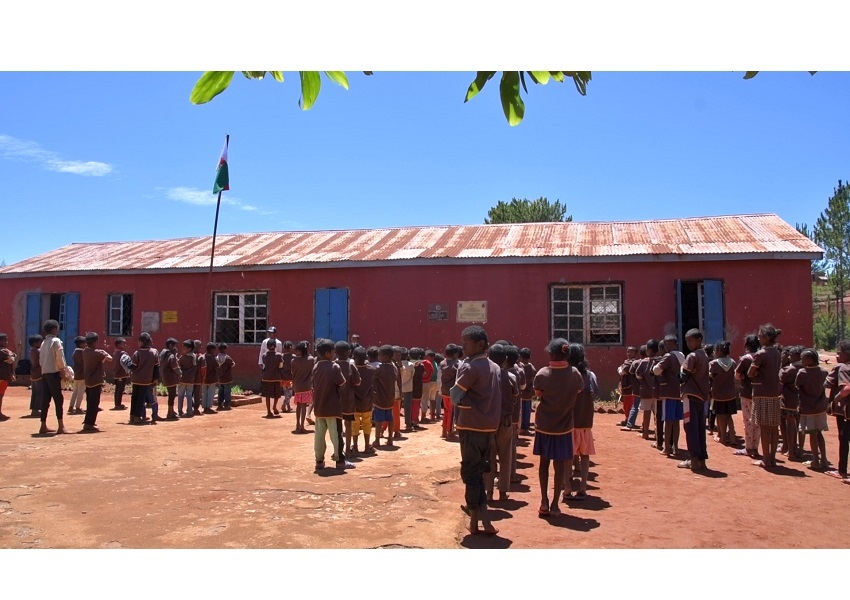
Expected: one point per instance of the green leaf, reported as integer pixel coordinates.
(580, 79)
(481, 78)
(522, 80)
(512, 104)
(557, 76)
(254, 74)
(210, 85)
(540, 77)
(750, 74)
(812, 72)
(367, 72)
(311, 83)
(338, 77)
(278, 75)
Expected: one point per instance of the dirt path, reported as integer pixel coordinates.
(237, 480)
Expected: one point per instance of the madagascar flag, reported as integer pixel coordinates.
(222, 178)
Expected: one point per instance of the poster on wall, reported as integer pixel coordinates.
(438, 312)
(169, 316)
(472, 311)
(150, 321)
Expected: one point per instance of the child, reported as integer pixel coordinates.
(764, 375)
(724, 392)
(650, 402)
(198, 384)
(286, 376)
(752, 434)
(527, 395)
(79, 379)
(328, 381)
(363, 402)
(347, 399)
(302, 383)
(34, 342)
(7, 370)
(631, 419)
(120, 376)
(501, 440)
(142, 378)
(626, 386)
(448, 375)
(790, 402)
(387, 385)
(583, 446)
(225, 377)
(812, 399)
(169, 371)
(188, 365)
(52, 360)
(430, 385)
(695, 395)
(670, 391)
(411, 387)
(838, 384)
(397, 402)
(511, 358)
(210, 378)
(712, 416)
(270, 378)
(93, 359)
(557, 386)
(372, 356)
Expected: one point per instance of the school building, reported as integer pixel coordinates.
(606, 285)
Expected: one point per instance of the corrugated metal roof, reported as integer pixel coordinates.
(724, 235)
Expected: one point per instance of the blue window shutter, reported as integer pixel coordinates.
(338, 317)
(712, 294)
(322, 314)
(33, 315)
(72, 323)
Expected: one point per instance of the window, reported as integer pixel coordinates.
(119, 314)
(588, 314)
(241, 318)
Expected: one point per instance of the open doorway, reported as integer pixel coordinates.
(63, 307)
(699, 304)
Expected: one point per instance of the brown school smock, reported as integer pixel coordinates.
(225, 369)
(519, 376)
(327, 387)
(302, 373)
(668, 381)
(723, 384)
(644, 374)
(448, 375)
(838, 377)
(385, 384)
(211, 377)
(93, 366)
(271, 366)
(697, 384)
(364, 391)
(627, 384)
(199, 370)
(144, 360)
(790, 398)
(530, 371)
(744, 364)
(188, 365)
(118, 370)
(509, 392)
(811, 393)
(480, 407)
(169, 369)
(35, 362)
(286, 369)
(766, 382)
(77, 362)
(352, 379)
(557, 386)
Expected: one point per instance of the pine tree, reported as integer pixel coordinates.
(832, 233)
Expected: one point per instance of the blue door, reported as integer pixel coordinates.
(33, 318)
(712, 310)
(69, 322)
(331, 314)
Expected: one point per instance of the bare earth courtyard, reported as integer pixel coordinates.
(238, 480)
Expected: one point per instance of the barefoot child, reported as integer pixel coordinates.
(270, 378)
(79, 392)
(448, 375)
(413, 395)
(226, 364)
(52, 358)
(302, 383)
(557, 386)
(724, 392)
(347, 397)
(583, 446)
(669, 390)
(512, 356)
(120, 376)
(812, 404)
(501, 440)
(7, 370)
(527, 395)
(210, 378)
(188, 365)
(169, 371)
(764, 375)
(328, 382)
(143, 364)
(626, 386)
(34, 342)
(648, 390)
(363, 393)
(695, 395)
(93, 359)
(752, 434)
(790, 402)
(838, 384)
(387, 386)
(286, 376)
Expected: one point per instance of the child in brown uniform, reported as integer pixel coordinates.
(270, 378)
(188, 365)
(7, 370)
(752, 433)
(387, 385)
(198, 384)
(724, 392)
(838, 385)
(512, 356)
(764, 374)
(302, 383)
(583, 446)
(649, 400)
(74, 406)
(669, 390)
(34, 342)
(812, 405)
(790, 402)
(142, 377)
(93, 359)
(527, 395)
(286, 375)
(557, 386)
(169, 371)
(226, 364)
(363, 393)
(501, 440)
(695, 395)
(328, 381)
(347, 399)
(448, 375)
(120, 376)
(627, 383)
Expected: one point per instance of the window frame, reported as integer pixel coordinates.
(126, 320)
(259, 333)
(587, 314)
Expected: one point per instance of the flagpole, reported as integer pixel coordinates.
(217, 207)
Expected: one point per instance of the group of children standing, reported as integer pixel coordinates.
(780, 391)
(189, 376)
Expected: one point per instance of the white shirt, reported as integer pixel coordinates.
(264, 349)
(51, 355)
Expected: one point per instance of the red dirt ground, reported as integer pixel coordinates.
(237, 480)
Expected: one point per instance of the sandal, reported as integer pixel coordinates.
(555, 512)
(835, 474)
(543, 511)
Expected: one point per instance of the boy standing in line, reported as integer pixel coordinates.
(188, 365)
(120, 376)
(79, 379)
(35, 375)
(669, 390)
(387, 384)
(363, 401)
(527, 395)
(210, 378)
(477, 396)
(501, 441)
(52, 357)
(346, 395)
(169, 370)
(286, 376)
(7, 370)
(198, 384)
(225, 377)
(695, 395)
(93, 359)
(145, 359)
(328, 381)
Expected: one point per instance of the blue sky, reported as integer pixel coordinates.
(126, 156)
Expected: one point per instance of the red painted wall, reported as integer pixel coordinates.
(389, 304)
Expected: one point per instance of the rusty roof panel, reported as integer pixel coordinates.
(725, 235)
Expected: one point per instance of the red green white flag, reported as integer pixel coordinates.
(222, 177)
